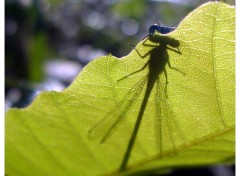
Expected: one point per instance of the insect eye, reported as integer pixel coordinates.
(153, 28)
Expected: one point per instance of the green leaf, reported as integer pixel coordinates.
(188, 121)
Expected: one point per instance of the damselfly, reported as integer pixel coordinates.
(158, 59)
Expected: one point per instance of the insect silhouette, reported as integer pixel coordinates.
(160, 28)
(158, 59)
(156, 65)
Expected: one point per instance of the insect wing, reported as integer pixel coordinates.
(109, 123)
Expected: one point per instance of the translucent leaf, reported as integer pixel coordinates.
(182, 83)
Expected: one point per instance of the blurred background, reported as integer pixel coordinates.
(47, 43)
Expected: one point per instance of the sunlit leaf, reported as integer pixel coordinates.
(188, 120)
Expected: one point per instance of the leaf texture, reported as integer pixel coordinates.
(189, 118)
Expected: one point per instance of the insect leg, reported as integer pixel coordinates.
(169, 65)
(145, 65)
(142, 56)
(133, 72)
(174, 50)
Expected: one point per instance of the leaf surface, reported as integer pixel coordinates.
(188, 121)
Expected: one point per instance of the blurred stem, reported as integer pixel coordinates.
(38, 51)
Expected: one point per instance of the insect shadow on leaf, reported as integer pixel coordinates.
(158, 59)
